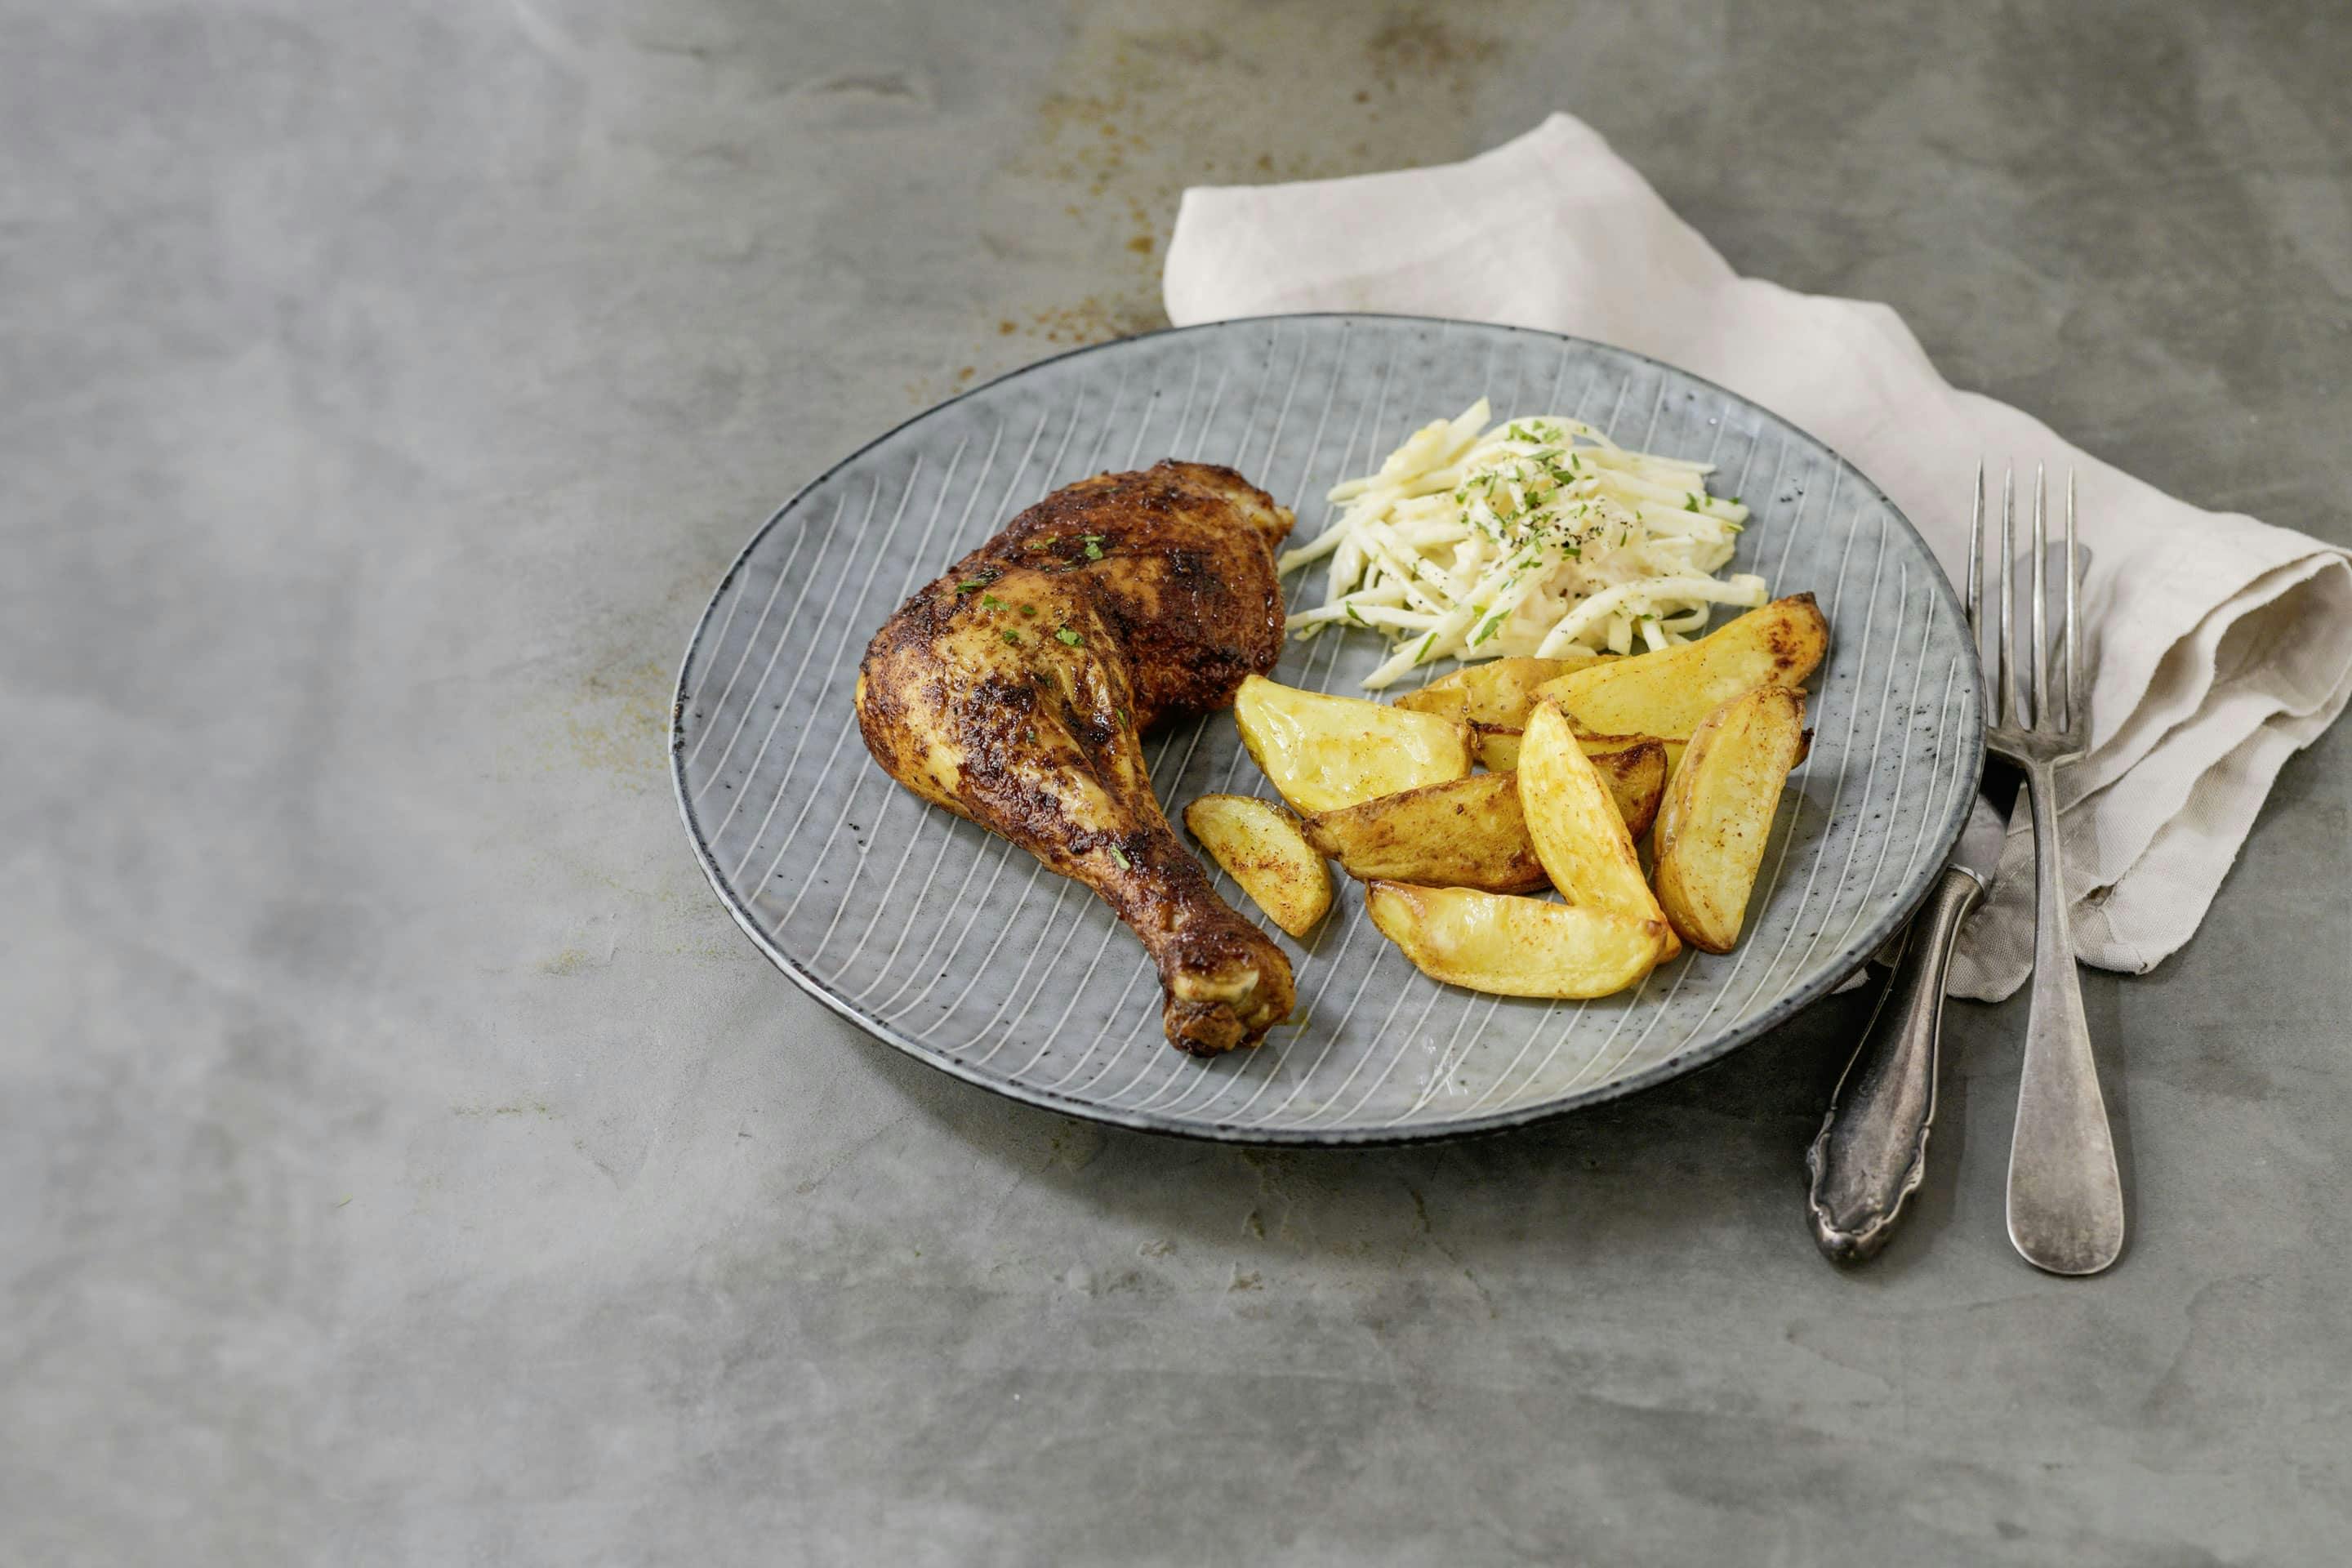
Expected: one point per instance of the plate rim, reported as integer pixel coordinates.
(1796, 1000)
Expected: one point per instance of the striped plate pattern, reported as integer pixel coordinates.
(957, 947)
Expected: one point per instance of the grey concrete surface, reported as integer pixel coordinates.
(404, 1160)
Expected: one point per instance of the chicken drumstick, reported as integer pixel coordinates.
(1015, 691)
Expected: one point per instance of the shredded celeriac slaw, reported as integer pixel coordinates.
(1536, 537)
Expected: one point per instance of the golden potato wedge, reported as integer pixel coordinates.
(1261, 847)
(1464, 833)
(1579, 837)
(1325, 752)
(1498, 746)
(1667, 693)
(1497, 694)
(1719, 812)
(1598, 746)
(1634, 767)
(1509, 946)
(1634, 775)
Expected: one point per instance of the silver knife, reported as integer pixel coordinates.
(1872, 1151)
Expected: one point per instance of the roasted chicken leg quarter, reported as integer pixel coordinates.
(1015, 691)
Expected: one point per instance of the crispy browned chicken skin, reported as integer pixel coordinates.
(1015, 691)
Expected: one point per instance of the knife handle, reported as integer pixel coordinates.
(1873, 1147)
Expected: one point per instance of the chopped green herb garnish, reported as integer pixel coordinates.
(1691, 504)
(1038, 543)
(972, 585)
(991, 601)
(1120, 855)
(1013, 637)
(1094, 550)
(1028, 609)
(1067, 635)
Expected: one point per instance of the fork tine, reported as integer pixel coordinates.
(2073, 614)
(2043, 709)
(2006, 675)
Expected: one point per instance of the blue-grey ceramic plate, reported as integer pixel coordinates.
(958, 948)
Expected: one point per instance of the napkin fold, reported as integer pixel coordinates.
(2217, 645)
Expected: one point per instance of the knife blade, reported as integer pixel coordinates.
(1871, 1152)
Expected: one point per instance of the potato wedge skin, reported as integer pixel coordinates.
(1717, 814)
(1668, 693)
(1464, 833)
(1325, 752)
(1262, 847)
(1593, 745)
(1498, 746)
(1634, 767)
(1497, 694)
(1509, 946)
(1636, 779)
(1580, 836)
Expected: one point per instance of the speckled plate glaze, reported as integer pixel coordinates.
(958, 948)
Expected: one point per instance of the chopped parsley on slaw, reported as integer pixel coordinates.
(1535, 537)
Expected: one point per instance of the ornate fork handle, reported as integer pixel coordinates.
(2065, 1195)
(1872, 1151)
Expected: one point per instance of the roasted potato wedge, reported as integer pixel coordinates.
(1669, 692)
(1497, 694)
(1261, 847)
(1634, 767)
(1579, 834)
(1510, 946)
(1325, 752)
(1498, 746)
(1464, 833)
(1634, 775)
(1719, 812)
(1598, 746)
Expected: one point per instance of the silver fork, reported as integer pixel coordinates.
(2065, 1196)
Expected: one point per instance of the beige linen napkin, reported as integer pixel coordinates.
(2218, 646)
